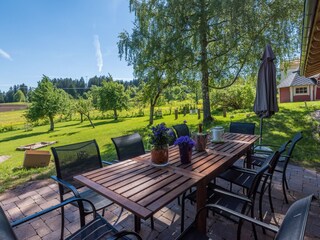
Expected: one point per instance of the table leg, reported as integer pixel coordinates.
(201, 202)
(249, 160)
(137, 223)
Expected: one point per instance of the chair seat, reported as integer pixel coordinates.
(237, 177)
(99, 201)
(192, 233)
(232, 203)
(98, 228)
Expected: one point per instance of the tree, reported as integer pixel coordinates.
(84, 107)
(19, 96)
(47, 101)
(238, 96)
(111, 96)
(219, 39)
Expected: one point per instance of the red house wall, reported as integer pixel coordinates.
(318, 93)
(301, 98)
(284, 94)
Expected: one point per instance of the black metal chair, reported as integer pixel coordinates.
(181, 130)
(74, 159)
(240, 127)
(173, 136)
(282, 163)
(243, 177)
(243, 203)
(98, 228)
(128, 146)
(293, 225)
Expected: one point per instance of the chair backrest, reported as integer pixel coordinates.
(75, 159)
(240, 127)
(296, 138)
(295, 221)
(283, 147)
(128, 146)
(181, 130)
(6, 231)
(270, 162)
(173, 136)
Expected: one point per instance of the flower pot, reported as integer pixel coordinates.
(160, 155)
(185, 153)
(201, 141)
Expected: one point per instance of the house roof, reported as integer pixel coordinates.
(310, 44)
(295, 79)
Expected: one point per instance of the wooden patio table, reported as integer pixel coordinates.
(144, 189)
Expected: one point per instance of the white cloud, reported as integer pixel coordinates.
(96, 44)
(5, 55)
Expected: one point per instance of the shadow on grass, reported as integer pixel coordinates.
(64, 134)
(25, 135)
(101, 123)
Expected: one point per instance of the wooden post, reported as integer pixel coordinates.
(176, 114)
(199, 114)
(224, 112)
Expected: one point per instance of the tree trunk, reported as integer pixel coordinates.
(88, 116)
(81, 117)
(204, 65)
(51, 123)
(115, 114)
(151, 113)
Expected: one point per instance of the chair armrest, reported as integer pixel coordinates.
(67, 185)
(50, 209)
(109, 163)
(123, 233)
(244, 170)
(244, 217)
(230, 194)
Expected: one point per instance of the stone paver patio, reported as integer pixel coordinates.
(34, 196)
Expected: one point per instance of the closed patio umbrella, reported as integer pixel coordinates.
(265, 103)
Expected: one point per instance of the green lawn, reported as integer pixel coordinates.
(282, 126)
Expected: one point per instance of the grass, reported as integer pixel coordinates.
(292, 117)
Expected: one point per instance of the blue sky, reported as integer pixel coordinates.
(61, 38)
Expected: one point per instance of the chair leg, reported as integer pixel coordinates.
(152, 222)
(178, 199)
(239, 229)
(270, 197)
(182, 212)
(121, 211)
(62, 223)
(253, 225)
(284, 188)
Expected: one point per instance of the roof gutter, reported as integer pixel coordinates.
(309, 12)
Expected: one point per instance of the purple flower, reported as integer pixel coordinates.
(160, 135)
(184, 140)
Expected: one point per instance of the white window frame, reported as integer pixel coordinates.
(297, 94)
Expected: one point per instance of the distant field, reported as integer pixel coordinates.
(5, 107)
(292, 117)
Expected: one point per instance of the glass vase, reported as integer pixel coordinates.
(185, 153)
(160, 155)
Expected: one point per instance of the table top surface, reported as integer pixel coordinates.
(143, 189)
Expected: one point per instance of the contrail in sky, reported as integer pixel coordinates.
(5, 55)
(96, 44)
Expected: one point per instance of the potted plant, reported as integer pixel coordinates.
(185, 144)
(159, 139)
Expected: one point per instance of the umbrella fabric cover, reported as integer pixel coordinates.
(265, 104)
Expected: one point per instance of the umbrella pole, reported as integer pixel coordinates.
(261, 122)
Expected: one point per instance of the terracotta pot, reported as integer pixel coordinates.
(160, 155)
(185, 153)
